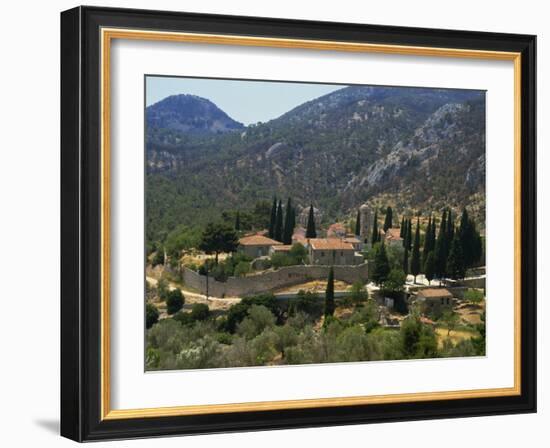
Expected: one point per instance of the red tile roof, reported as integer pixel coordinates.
(258, 240)
(329, 244)
(393, 234)
(434, 293)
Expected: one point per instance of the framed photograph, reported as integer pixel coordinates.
(277, 224)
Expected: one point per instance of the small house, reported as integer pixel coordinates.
(391, 236)
(434, 300)
(331, 251)
(256, 246)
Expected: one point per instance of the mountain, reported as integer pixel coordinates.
(189, 114)
(412, 148)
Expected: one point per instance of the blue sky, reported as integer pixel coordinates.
(244, 101)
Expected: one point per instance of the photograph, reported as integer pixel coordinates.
(292, 223)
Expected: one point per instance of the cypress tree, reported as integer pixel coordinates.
(273, 218)
(401, 227)
(278, 234)
(429, 268)
(440, 253)
(289, 228)
(409, 234)
(329, 294)
(375, 233)
(406, 261)
(381, 267)
(415, 258)
(388, 221)
(358, 223)
(427, 240)
(310, 230)
(455, 263)
(238, 221)
(450, 228)
(470, 240)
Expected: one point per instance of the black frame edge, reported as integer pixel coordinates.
(71, 384)
(80, 192)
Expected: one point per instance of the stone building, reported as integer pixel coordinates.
(256, 246)
(366, 222)
(434, 300)
(332, 251)
(391, 236)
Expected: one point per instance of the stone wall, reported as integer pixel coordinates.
(270, 280)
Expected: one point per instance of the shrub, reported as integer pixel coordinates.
(242, 269)
(474, 295)
(200, 311)
(151, 315)
(258, 319)
(174, 301)
(359, 293)
(183, 318)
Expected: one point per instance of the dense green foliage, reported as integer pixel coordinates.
(151, 315)
(259, 331)
(174, 301)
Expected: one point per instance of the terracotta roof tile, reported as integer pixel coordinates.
(329, 244)
(258, 240)
(434, 293)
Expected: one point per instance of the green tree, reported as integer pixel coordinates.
(310, 229)
(415, 259)
(200, 312)
(289, 226)
(388, 221)
(279, 223)
(402, 227)
(409, 234)
(329, 294)
(242, 268)
(298, 253)
(358, 223)
(375, 238)
(218, 238)
(359, 293)
(395, 282)
(381, 267)
(441, 248)
(406, 261)
(174, 301)
(427, 241)
(429, 267)
(455, 263)
(451, 320)
(151, 315)
(158, 258)
(273, 218)
(238, 221)
(470, 240)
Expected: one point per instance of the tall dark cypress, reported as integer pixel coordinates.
(289, 228)
(273, 218)
(388, 221)
(402, 227)
(238, 221)
(375, 238)
(415, 258)
(450, 228)
(406, 261)
(278, 234)
(427, 241)
(455, 262)
(310, 230)
(409, 234)
(329, 294)
(440, 253)
(358, 223)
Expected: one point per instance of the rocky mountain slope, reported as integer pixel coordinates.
(415, 147)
